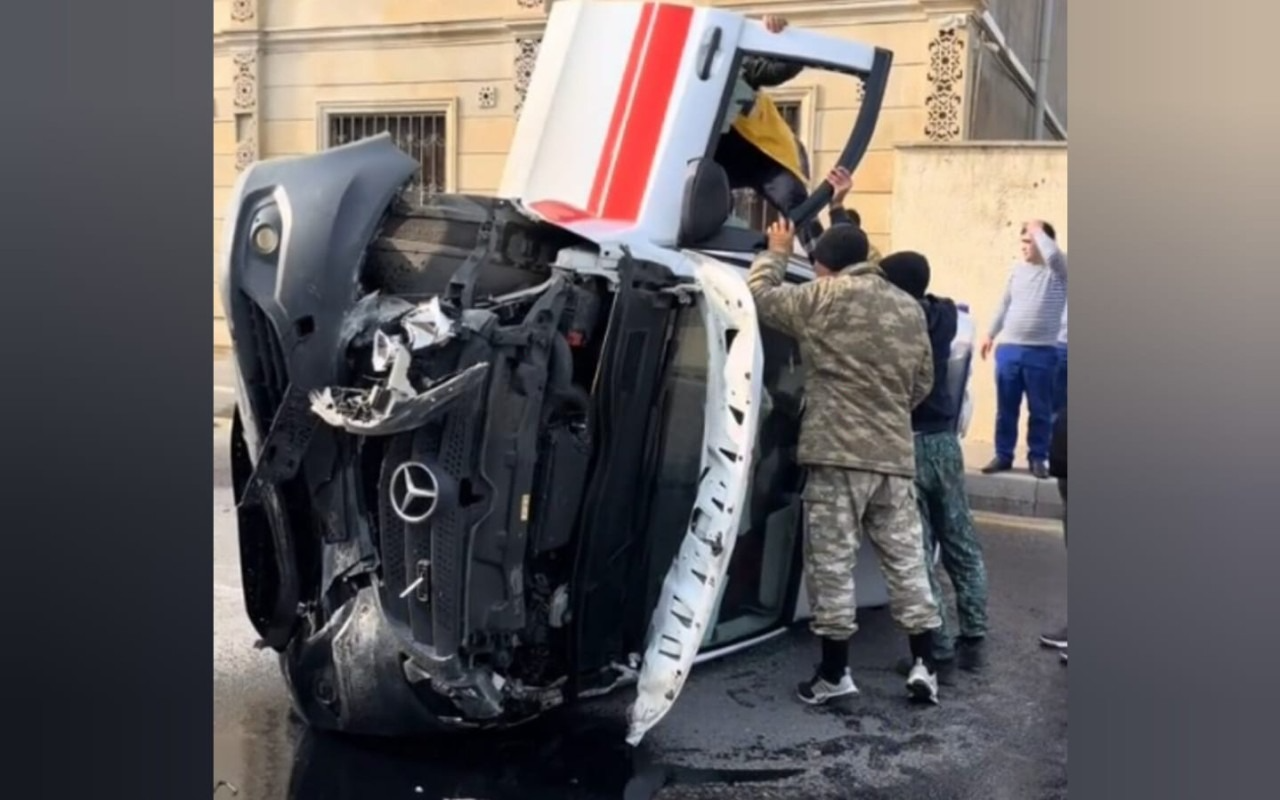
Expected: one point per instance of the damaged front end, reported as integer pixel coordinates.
(392, 456)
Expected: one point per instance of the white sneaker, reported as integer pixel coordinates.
(817, 690)
(922, 684)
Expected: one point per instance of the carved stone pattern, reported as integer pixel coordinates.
(488, 96)
(245, 83)
(246, 152)
(243, 10)
(946, 59)
(526, 57)
(529, 3)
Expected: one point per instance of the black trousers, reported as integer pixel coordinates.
(749, 168)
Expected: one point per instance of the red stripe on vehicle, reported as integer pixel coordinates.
(558, 213)
(650, 105)
(620, 105)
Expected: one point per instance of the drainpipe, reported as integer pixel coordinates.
(1042, 72)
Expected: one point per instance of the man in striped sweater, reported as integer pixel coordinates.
(1028, 323)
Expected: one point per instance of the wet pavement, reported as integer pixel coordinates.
(736, 731)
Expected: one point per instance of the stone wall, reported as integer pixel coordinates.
(963, 205)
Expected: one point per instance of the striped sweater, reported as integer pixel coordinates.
(1033, 309)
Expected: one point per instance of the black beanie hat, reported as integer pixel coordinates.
(908, 270)
(841, 246)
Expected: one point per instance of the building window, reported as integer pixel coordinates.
(422, 135)
(747, 204)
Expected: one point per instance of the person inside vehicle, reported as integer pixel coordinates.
(940, 488)
(867, 361)
(757, 148)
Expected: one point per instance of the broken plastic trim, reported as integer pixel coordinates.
(428, 325)
(394, 406)
(380, 412)
(697, 573)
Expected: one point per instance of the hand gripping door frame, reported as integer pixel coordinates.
(694, 579)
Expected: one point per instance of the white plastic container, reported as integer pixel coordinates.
(959, 366)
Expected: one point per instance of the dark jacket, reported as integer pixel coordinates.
(939, 411)
(759, 72)
(1058, 446)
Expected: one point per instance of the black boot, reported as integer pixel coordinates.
(971, 655)
(997, 465)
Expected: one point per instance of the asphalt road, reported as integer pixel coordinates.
(736, 731)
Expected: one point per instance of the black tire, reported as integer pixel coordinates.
(420, 247)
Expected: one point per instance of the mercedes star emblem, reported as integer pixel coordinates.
(414, 492)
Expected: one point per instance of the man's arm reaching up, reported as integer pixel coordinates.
(1053, 256)
(778, 305)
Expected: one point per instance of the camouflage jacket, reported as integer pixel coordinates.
(867, 361)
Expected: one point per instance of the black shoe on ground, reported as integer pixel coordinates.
(817, 690)
(997, 465)
(971, 653)
(1056, 640)
(1040, 469)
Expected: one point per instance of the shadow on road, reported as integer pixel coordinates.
(554, 759)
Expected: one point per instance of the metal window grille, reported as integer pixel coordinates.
(752, 207)
(422, 136)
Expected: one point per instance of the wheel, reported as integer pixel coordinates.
(420, 247)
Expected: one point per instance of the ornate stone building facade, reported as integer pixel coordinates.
(447, 78)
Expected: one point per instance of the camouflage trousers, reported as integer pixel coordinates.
(948, 523)
(842, 506)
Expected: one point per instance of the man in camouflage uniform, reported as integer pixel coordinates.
(867, 364)
(940, 489)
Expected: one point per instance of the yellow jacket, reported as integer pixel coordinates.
(765, 128)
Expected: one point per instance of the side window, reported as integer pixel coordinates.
(755, 593)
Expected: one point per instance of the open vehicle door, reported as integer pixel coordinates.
(628, 179)
(614, 171)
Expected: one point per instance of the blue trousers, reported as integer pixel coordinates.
(1030, 371)
(1060, 381)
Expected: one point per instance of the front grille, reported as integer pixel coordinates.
(448, 536)
(267, 373)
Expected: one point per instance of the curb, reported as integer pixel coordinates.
(1015, 494)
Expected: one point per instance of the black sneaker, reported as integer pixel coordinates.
(1055, 640)
(817, 690)
(922, 684)
(971, 655)
(997, 465)
(1040, 469)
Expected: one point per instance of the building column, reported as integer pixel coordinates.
(246, 61)
(945, 103)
